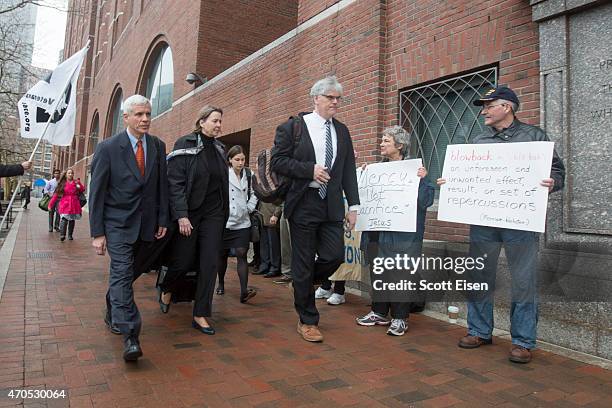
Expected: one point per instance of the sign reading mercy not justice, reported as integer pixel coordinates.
(388, 196)
(496, 185)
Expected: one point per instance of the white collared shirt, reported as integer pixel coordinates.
(316, 128)
(134, 141)
(50, 186)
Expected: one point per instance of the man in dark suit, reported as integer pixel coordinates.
(128, 206)
(321, 165)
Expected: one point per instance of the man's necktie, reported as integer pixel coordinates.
(329, 155)
(140, 160)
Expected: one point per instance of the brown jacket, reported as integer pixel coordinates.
(267, 210)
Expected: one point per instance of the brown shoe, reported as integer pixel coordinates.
(470, 342)
(309, 332)
(519, 354)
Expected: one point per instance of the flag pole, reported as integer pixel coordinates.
(51, 116)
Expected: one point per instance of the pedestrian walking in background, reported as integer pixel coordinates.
(66, 198)
(25, 195)
(49, 189)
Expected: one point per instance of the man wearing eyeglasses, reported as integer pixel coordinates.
(321, 165)
(499, 107)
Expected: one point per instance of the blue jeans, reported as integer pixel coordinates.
(521, 252)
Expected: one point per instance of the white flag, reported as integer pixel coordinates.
(54, 96)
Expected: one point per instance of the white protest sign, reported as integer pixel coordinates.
(388, 196)
(496, 185)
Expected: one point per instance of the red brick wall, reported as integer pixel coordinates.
(309, 8)
(428, 40)
(231, 30)
(376, 48)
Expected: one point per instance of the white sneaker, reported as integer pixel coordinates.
(336, 299)
(372, 319)
(398, 327)
(321, 293)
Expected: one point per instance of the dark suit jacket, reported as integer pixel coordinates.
(299, 163)
(9, 170)
(123, 205)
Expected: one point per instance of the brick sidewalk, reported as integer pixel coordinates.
(52, 336)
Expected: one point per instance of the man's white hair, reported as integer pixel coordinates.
(324, 85)
(513, 105)
(134, 100)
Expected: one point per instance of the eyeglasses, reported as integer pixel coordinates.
(332, 97)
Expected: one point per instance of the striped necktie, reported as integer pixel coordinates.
(329, 155)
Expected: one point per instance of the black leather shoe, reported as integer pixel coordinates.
(258, 272)
(132, 350)
(113, 328)
(272, 275)
(206, 330)
(248, 295)
(283, 279)
(165, 308)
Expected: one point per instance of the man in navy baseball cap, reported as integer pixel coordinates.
(501, 92)
(498, 108)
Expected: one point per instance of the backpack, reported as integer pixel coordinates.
(269, 186)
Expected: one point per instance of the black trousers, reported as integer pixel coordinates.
(270, 250)
(339, 286)
(313, 234)
(201, 248)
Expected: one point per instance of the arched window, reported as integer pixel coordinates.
(117, 114)
(93, 134)
(160, 83)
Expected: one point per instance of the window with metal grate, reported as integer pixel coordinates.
(442, 113)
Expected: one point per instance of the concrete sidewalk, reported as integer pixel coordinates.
(52, 336)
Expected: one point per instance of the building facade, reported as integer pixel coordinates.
(418, 64)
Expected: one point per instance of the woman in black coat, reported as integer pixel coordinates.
(199, 203)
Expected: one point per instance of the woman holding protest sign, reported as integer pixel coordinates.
(395, 145)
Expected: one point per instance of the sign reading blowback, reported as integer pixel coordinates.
(496, 185)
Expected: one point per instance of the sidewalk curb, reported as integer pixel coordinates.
(6, 252)
(542, 345)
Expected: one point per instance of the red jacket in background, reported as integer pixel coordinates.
(69, 203)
